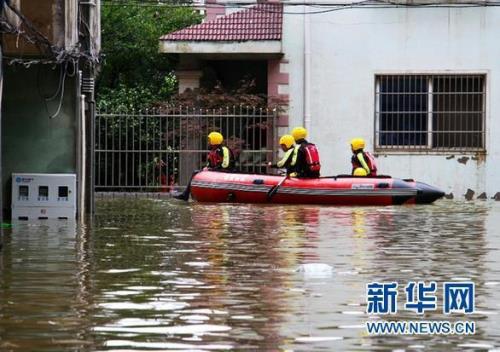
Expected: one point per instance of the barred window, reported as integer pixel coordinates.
(430, 112)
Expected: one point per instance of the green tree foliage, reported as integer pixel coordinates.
(134, 74)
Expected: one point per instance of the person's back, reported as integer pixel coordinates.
(308, 162)
(362, 159)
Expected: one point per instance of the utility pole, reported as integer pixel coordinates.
(2, 5)
(1, 168)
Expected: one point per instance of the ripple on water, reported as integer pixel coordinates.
(198, 264)
(194, 317)
(164, 273)
(166, 345)
(312, 339)
(157, 305)
(140, 322)
(183, 281)
(121, 293)
(145, 288)
(195, 329)
(120, 271)
(482, 346)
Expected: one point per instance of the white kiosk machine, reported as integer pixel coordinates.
(43, 196)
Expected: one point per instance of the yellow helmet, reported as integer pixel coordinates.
(287, 140)
(215, 138)
(357, 143)
(359, 171)
(299, 133)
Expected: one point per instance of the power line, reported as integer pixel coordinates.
(292, 3)
(328, 7)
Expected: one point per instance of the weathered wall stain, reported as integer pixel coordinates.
(480, 158)
(463, 160)
(469, 195)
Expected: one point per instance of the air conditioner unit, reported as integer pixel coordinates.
(43, 196)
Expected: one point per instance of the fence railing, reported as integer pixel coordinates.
(153, 150)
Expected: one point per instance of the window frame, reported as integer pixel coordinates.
(428, 149)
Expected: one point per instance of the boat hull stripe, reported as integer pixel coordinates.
(307, 191)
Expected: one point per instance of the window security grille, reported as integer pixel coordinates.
(430, 112)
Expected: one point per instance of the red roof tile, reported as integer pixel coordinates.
(260, 22)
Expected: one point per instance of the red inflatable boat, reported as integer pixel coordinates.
(209, 186)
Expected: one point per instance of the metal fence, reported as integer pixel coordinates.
(155, 150)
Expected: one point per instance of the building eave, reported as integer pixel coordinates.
(221, 47)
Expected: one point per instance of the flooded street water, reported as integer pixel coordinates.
(165, 275)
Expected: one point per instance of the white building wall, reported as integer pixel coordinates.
(349, 47)
(293, 48)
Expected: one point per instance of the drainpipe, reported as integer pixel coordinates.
(90, 13)
(80, 109)
(91, 163)
(307, 69)
(83, 161)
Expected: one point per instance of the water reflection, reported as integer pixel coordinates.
(154, 275)
(44, 293)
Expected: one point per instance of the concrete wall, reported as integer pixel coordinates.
(349, 47)
(55, 19)
(31, 142)
(293, 49)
